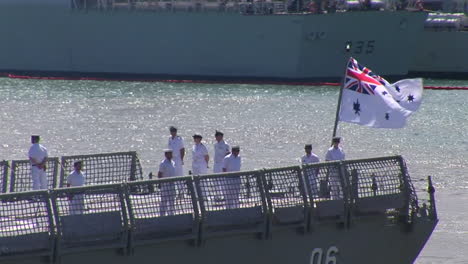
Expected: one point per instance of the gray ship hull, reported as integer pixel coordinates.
(442, 54)
(368, 240)
(56, 40)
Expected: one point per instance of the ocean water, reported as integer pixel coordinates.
(271, 123)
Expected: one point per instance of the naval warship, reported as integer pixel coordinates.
(204, 39)
(441, 51)
(354, 212)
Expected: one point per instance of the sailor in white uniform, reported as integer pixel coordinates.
(38, 157)
(176, 143)
(232, 163)
(221, 149)
(335, 152)
(309, 158)
(167, 169)
(75, 179)
(200, 159)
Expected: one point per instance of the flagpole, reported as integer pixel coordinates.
(338, 107)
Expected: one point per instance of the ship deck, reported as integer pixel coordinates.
(326, 204)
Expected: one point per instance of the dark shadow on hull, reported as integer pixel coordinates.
(52, 75)
(440, 75)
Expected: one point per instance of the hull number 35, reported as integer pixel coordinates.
(361, 46)
(319, 256)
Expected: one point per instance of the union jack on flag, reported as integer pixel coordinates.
(361, 79)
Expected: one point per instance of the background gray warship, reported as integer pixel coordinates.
(282, 217)
(442, 48)
(203, 39)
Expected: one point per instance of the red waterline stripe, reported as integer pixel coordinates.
(207, 81)
(446, 87)
(13, 76)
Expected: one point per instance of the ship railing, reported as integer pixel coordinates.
(430, 211)
(4, 168)
(377, 185)
(26, 225)
(173, 6)
(103, 168)
(279, 7)
(358, 5)
(166, 209)
(340, 191)
(424, 207)
(99, 169)
(90, 217)
(261, 7)
(286, 197)
(411, 208)
(232, 203)
(20, 176)
(327, 191)
(196, 208)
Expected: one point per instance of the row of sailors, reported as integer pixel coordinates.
(223, 158)
(225, 161)
(172, 165)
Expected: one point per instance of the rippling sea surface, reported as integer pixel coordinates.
(271, 123)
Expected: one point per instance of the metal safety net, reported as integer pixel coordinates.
(284, 187)
(232, 201)
(286, 195)
(4, 165)
(25, 222)
(230, 190)
(165, 197)
(375, 177)
(169, 207)
(92, 214)
(378, 184)
(324, 181)
(414, 206)
(103, 168)
(88, 200)
(21, 174)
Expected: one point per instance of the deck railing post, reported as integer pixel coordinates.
(431, 191)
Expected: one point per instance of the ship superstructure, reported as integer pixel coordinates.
(441, 51)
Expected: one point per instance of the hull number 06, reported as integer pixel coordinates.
(318, 256)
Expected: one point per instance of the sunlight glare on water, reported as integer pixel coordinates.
(271, 123)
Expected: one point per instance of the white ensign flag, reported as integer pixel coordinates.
(369, 100)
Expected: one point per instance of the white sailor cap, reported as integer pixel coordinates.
(167, 150)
